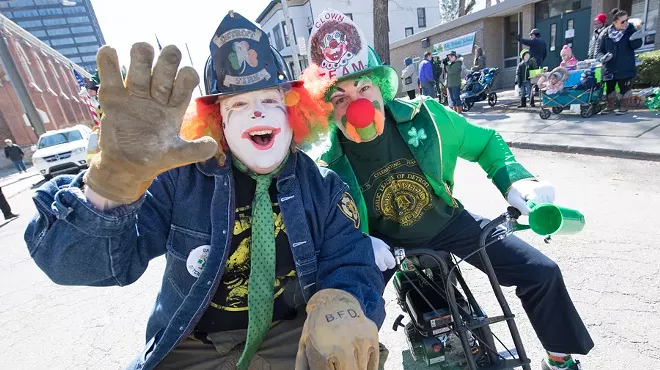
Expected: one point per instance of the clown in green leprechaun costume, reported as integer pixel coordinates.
(398, 159)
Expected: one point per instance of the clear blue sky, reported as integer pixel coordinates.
(125, 22)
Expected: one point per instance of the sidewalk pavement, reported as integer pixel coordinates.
(635, 135)
(9, 176)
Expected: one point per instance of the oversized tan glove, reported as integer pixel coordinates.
(139, 136)
(337, 335)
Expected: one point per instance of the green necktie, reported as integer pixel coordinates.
(262, 264)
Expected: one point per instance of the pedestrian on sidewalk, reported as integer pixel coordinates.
(454, 68)
(537, 46)
(616, 52)
(600, 24)
(479, 59)
(408, 77)
(5, 208)
(426, 76)
(15, 153)
(522, 78)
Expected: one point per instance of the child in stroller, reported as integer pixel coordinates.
(477, 88)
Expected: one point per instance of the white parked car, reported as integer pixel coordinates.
(61, 151)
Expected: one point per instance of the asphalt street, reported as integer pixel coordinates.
(611, 269)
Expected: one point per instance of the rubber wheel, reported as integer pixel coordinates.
(597, 108)
(557, 110)
(466, 107)
(545, 113)
(48, 177)
(492, 99)
(587, 112)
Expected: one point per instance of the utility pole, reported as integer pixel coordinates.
(292, 41)
(192, 65)
(20, 88)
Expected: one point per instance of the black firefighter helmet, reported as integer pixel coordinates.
(242, 60)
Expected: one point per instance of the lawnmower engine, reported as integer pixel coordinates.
(430, 333)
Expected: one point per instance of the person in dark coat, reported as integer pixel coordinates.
(523, 79)
(5, 208)
(15, 154)
(437, 73)
(537, 46)
(600, 25)
(616, 51)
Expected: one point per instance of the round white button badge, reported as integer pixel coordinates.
(197, 260)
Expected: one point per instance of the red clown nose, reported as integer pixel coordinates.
(361, 113)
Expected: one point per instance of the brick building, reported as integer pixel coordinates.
(495, 27)
(50, 83)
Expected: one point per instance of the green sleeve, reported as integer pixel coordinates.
(488, 148)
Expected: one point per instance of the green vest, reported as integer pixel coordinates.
(437, 137)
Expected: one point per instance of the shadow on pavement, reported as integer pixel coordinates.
(38, 184)
(5, 222)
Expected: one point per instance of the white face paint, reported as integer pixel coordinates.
(256, 128)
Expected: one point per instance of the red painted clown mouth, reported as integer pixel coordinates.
(262, 137)
(335, 54)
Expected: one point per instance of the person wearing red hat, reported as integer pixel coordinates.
(600, 24)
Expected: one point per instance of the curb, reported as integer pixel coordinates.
(600, 152)
(11, 182)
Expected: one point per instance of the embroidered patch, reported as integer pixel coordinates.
(349, 209)
(416, 137)
(197, 260)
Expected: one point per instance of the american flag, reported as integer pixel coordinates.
(90, 104)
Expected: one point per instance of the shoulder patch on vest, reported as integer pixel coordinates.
(349, 209)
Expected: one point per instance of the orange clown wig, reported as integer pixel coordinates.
(308, 119)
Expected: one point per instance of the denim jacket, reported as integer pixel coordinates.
(191, 206)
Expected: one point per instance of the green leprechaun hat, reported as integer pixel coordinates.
(338, 51)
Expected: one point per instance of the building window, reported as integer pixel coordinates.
(75, 59)
(278, 38)
(39, 33)
(553, 37)
(74, 9)
(82, 29)
(409, 31)
(548, 9)
(50, 11)
(25, 13)
(58, 31)
(421, 17)
(25, 63)
(54, 22)
(89, 58)
(27, 24)
(82, 19)
(285, 29)
(512, 28)
(67, 51)
(349, 15)
(86, 39)
(64, 41)
(88, 49)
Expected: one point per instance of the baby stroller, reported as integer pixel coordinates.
(478, 88)
(587, 93)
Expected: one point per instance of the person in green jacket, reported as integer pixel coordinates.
(398, 159)
(454, 68)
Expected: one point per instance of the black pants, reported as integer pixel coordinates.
(625, 85)
(4, 206)
(411, 94)
(538, 281)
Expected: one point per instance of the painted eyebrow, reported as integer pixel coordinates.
(339, 90)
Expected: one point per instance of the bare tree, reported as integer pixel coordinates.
(381, 30)
(452, 9)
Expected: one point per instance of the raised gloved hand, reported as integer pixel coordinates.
(139, 136)
(337, 334)
(384, 257)
(525, 190)
(606, 58)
